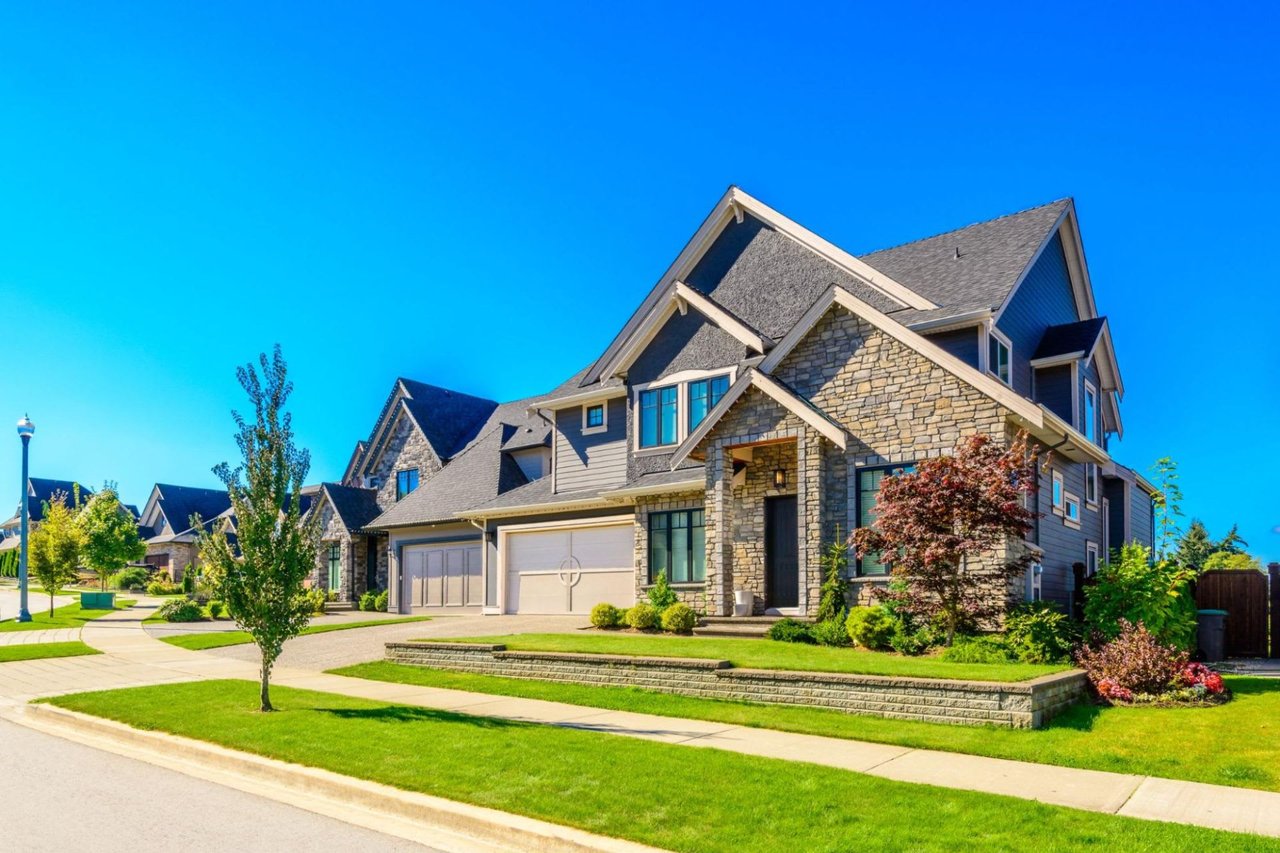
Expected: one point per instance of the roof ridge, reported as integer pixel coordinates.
(865, 255)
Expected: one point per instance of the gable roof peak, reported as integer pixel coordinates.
(1060, 205)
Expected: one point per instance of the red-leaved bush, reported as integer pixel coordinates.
(1197, 674)
(1134, 662)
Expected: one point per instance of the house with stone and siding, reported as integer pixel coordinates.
(744, 417)
(40, 491)
(166, 525)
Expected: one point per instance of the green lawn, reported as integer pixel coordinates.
(670, 796)
(67, 616)
(36, 651)
(1234, 744)
(217, 639)
(766, 654)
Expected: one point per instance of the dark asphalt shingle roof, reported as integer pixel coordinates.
(179, 503)
(449, 419)
(1070, 337)
(43, 489)
(355, 507)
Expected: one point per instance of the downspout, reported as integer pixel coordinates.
(482, 526)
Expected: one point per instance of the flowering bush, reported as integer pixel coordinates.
(1132, 663)
(1195, 675)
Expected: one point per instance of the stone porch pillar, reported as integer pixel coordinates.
(719, 531)
(809, 506)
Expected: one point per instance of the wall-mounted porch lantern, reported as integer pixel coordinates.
(780, 478)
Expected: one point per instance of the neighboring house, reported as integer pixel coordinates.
(745, 416)
(165, 524)
(39, 491)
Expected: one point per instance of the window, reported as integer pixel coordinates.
(703, 396)
(658, 416)
(1090, 425)
(1090, 559)
(1057, 492)
(1091, 484)
(406, 482)
(998, 356)
(677, 546)
(869, 480)
(594, 419)
(1072, 510)
(335, 565)
(1034, 573)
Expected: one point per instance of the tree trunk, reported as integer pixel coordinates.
(265, 692)
(50, 605)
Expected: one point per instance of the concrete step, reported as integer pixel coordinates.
(339, 607)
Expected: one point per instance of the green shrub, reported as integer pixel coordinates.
(833, 631)
(1038, 632)
(790, 631)
(381, 601)
(605, 615)
(331, 595)
(188, 580)
(1156, 594)
(661, 595)
(642, 616)
(162, 586)
(987, 649)
(679, 618)
(132, 577)
(912, 641)
(215, 609)
(317, 599)
(871, 627)
(180, 610)
(368, 601)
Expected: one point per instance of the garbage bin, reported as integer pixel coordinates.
(743, 599)
(1211, 634)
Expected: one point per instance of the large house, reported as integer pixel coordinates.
(39, 491)
(743, 418)
(166, 527)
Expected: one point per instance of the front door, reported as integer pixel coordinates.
(781, 553)
(371, 563)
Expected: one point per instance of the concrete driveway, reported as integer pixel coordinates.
(360, 645)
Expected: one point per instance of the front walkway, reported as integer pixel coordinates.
(133, 658)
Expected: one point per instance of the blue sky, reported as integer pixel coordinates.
(478, 197)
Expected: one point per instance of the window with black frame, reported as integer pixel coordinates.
(677, 545)
(869, 481)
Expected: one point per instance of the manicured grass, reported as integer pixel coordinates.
(1234, 744)
(766, 654)
(37, 651)
(675, 797)
(67, 616)
(217, 639)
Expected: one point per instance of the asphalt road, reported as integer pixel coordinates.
(56, 795)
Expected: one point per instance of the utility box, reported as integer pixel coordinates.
(97, 601)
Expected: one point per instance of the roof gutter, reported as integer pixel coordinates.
(956, 321)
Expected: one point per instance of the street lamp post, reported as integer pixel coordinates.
(26, 429)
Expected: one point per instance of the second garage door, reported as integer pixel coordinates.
(570, 569)
(442, 576)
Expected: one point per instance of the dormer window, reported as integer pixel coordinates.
(406, 482)
(595, 418)
(998, 349)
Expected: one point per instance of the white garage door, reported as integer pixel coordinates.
(570, 569)
(442, 576)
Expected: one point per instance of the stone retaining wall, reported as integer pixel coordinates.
(1027, 704)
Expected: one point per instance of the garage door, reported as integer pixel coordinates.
(570, 569)
(442, 576)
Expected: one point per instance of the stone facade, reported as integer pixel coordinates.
(694, 595)
(180, 554)
(1026, 704)
(405, 450)
(353, 556)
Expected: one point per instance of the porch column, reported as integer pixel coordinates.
(809, 506)
(719, 532)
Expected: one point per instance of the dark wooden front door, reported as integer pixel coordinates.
(781, 552)
(371, 563)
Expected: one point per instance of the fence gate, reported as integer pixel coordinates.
(1245, 596)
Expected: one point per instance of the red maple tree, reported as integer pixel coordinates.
(932, 524)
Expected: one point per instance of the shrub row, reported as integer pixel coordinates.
(678, 618)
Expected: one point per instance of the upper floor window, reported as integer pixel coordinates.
(406, 482)
(869, 480)
(1058, 493)
(998, 348)
(1071, 513)
(703, 396)
(1091, 484)
(1090, 414)
(659, 421)
(594, 418)
(1090, 559)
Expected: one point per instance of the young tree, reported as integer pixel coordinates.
(55, 546)
(110, 535)
(260, 576)
(1167, 503)
(931, 524)
(1232, 561)
(1194, 547)
(834, 593)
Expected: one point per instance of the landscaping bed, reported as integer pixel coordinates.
(1001, 703)
(654, 793)
(1235, 744)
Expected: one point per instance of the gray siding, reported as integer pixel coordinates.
(1141, 517)
(1062, 545)
(962, 343)
(1044, 299)
(590, 461)
(1053, 389)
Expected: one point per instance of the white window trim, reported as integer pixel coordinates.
(984, 353)
(1091, 550)
(1090, 388)
(604, 426)
(1091, 476)
(1034, 587)
(681, 382)
(1067, 500)
(1058, 494)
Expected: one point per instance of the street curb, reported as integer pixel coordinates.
(434, 821)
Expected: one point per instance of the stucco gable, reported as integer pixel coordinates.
(686, 342)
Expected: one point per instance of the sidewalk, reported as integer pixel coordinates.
(133, 658)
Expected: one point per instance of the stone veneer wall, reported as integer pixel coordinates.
(181, 555)
(353, 556)
(1026, 704)
(405, 450)
(695, 594)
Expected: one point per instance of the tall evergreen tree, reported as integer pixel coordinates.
(260, 575)
(1233, 542)
(1194, 547)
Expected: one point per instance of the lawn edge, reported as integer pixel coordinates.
(421, 818)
